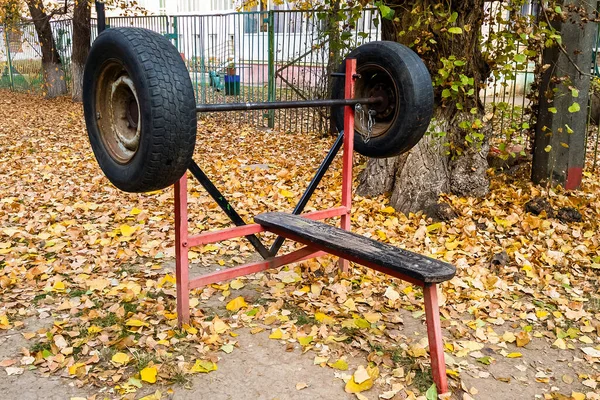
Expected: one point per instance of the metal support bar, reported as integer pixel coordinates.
(285, 104)
(226, 207)
(312, 186)
(101, 17)
(10, 68)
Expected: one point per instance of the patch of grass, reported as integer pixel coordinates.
(594, 304)
(301, 317)
(180, 333)
(180, 378)
(77, 293)
(40, 346)
(422, 380)
(130, 308)
(143, 359)
(76, 351)
(351, 333)
(262, 301)
(2, 264)
(109, 319)
(39, 297)
(376, 347)
(401, 359)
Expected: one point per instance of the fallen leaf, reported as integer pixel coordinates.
(120, 358)
(148, 374)
(235, 304)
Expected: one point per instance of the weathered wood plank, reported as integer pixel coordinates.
(327, 237)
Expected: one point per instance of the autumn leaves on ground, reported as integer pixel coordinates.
(87, 284)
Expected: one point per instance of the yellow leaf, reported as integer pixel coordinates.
(204, 366)
(236, 284)
(577, 396)
(340, 364)
(514, 355)
(4, 324)
(381, 234)
(167, 279)
(237, 303)
(73, 368)
(209, 247)
(169, 315)
(148, 374)
(127, 230)
(305, 340)
(135, 211)
(323, 318)
(453, 373)
(541, 314)
(277, 334)
(136, 322)
(433, 227)
(120, 358)
(58, 286)
(353, 387)
(94, 329)
(388, 210)
(189, 329)
(286, 193)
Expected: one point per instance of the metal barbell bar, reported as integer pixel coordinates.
(274, 105)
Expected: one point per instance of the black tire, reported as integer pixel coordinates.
(140, 110)
(397, 74)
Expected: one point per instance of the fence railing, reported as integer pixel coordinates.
(274, 56)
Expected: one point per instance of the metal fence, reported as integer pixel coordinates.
(21, 56)
(278, 55)
(234, 57)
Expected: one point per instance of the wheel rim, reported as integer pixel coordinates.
(118, 112)
(375, 81)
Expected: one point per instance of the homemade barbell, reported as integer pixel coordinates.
(140, 114)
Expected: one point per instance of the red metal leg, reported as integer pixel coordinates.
(181, 251)
(434, 334)
(348, 150)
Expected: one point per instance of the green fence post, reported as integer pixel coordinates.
(176, 33)
(271, 94)
(10, 72)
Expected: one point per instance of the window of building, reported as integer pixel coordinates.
(221, 5)
(254, 21)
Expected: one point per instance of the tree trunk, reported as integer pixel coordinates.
(54, 76)
(439, 162)
(81, 47)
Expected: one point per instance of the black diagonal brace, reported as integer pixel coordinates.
(226, 207)
(312, 186)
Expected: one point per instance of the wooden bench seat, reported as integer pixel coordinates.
(357, 248)
(399, 263)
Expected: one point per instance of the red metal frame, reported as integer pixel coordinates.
(183, 241)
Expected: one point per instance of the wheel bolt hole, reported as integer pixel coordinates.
(133, 114)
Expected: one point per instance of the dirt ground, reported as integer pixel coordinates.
(87, 293)
(264, 369)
